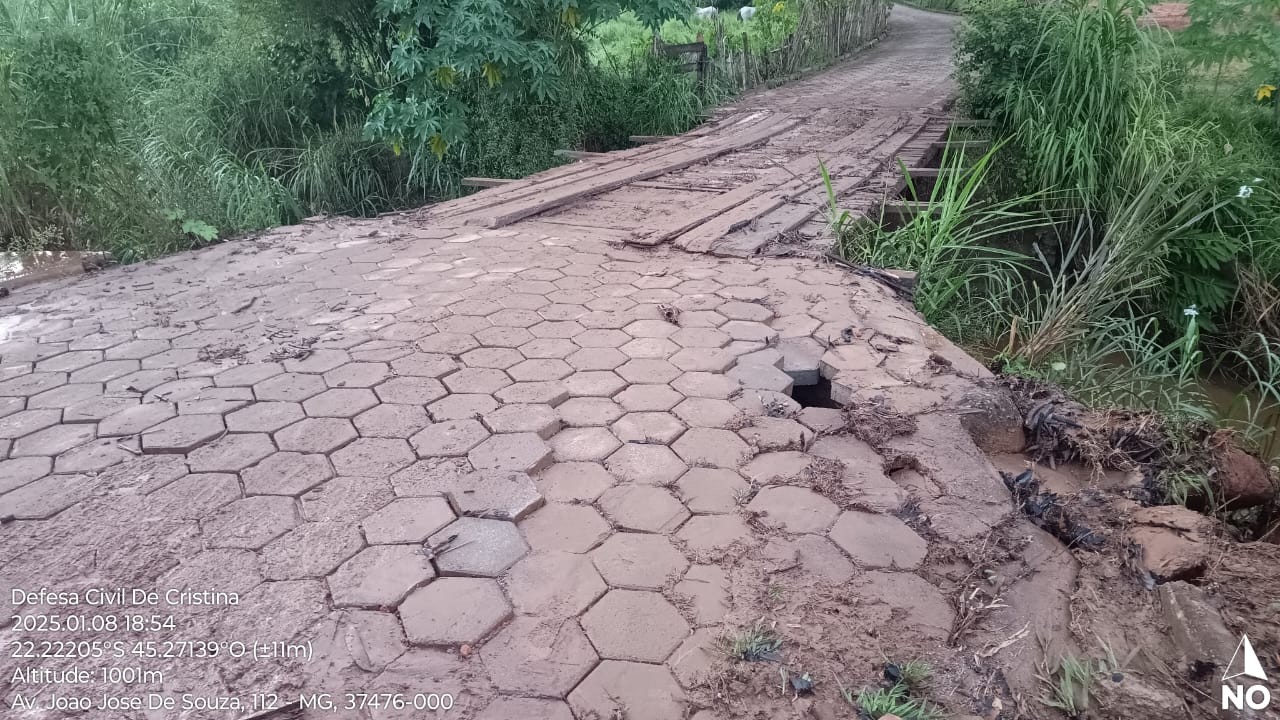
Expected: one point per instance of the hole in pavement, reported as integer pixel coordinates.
(815, 395)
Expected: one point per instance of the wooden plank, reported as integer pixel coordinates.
(484, 182)
(957, 123)
(809, 203)
(648, 139)
(960, 144)
(923, 173)
(800, 172)
(605, 181)
(579, 154)
(574, 172)
(701, 238)
(674, 186)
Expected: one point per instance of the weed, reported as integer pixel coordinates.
(896, 700)
(754, 643)
(1069, 683)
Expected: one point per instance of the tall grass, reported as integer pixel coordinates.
(117, 116)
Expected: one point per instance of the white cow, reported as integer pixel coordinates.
(746, 13)
(705, 13)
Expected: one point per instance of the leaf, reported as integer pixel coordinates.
(202, 230)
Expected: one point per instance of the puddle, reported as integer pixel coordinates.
(17, 269)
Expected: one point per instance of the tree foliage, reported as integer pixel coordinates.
(443, 51)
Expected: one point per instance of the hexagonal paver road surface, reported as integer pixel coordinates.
(406, 439)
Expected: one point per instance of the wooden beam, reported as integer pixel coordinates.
(484, 182)
(579, 154)
(961, 144)
(648, 139)
(971, 123)
(923, 173)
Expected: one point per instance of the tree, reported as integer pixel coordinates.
(444, 51)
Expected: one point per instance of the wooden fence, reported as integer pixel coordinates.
(826, 31)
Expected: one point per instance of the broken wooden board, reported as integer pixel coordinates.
(605, 181)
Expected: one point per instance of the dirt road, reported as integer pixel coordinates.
(519, 454)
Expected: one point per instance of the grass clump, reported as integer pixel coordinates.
(753, 643)
(901, 696)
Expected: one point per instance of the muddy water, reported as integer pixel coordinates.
(1233, 403)
(17, 270)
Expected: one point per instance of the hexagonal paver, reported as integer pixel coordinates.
(574, 481)
(706, 385)
(536, 657)
(712, 490)
(47, 496)
(343, 402)
(65, 396)
(648, 398)
(135, 419)
(879, 541)
(506, 708)
(706, 587)
(289, 387)
(596, 359)
(407, 521)
(638, 561)
(311, 550)
(448, 343)
(479, 381)
(428, 365)
(818, 558)
(707, 412)
(89, 410)
(651, 329)
(648, 371)
(584, 444)
(379, 576)
(648, 427)
(552, 393)
(316, 435)
(634, 625)
(714, 533)
(636, 690)
(561, 526)
(372, 457)
(594, 383)
(794, 509)
(645, 464)
(712, 448)
(286, 473)
(452, 438)
(251, 523)
(53, 440)
(20, 471)
(481, 548)
(769, 434)
(759, 376)
(182, 434)
(246, 375)
(391, 421)
(410, 390)
(495, 358)
(700, 337)
(231, 453)
(577, 584)
(454, 610)
(264, 417)
(317, 361)
(538, 419)
(589, 411)
(643, 508)
(357, 375)
(344, 498)
(461, 407)
(522, 452)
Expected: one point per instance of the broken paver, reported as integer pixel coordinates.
(407, 521)
(477, 547)
(379, 576)
(453, 610)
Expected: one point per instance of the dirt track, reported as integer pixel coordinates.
(520, 450)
